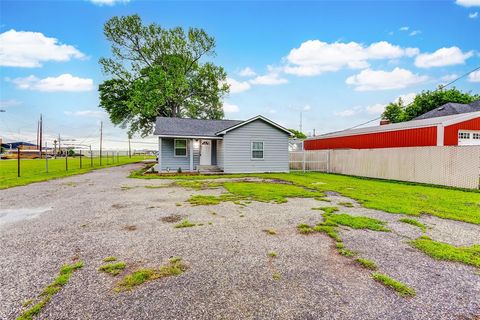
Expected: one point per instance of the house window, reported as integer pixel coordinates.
(180, 146)
(464, 135)
(257, 150)
(476, 136)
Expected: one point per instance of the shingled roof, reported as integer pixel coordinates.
(450, 109)
(184, 127)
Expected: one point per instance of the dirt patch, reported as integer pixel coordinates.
(172, 218)
(130, 227)
(118, 206)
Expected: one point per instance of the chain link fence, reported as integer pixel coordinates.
(448, 166)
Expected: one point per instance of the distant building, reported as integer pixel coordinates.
(459, 129)
(449, 109)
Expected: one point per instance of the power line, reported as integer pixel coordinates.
(439, 88)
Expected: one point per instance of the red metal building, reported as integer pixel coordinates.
(453, 130)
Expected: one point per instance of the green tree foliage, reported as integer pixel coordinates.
(424, 102)
(159, 72)
(298, 134)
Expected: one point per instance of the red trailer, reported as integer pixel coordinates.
(453, 130)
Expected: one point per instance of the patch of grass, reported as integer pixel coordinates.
(329, 230)
(388, 196)
(242, 193)
(346, 252)
(175, 267)
(355, 222)
(269, 192)
(270, 231)
(272, 254)
(339, 245)
(367, 264)
(414, 222)
(28, 302)
(444, 251)
(276, 276)
(158, 187)
(46, 295)
(198, 184)
(326, 209)
(400, 288)
(110, 259)
(34, 170)
(346, 204)
(242, 215)
(185, 224)
(304, 228)
(178, 204)
(394, 197)
(113, 268)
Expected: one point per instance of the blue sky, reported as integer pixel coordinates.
(337, 62)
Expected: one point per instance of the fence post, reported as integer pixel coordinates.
(80, 159)
(303, 157)
(18, 161)
(328, 161)
(66, 161)
(91, 157)
(46, 157)
(118, 159)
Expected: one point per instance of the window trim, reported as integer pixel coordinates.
(251, 150)
(175, 148)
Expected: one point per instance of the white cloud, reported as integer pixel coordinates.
(230, 108)
(247, 72)
(474, 76)
(375, 109)
(271, 78)
(64, 82)
(473, 15)
(449, 77)
(238, 86)
(9, 103)
(442, 57)
(314, 57)
(404, 28)
(349, 112)
(307, 107)
(108, 2)
(85, 113)
(29, 49)
(384, 80)
(414, 33)
(468, 3)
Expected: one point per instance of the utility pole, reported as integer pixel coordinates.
(301, 121)
(46, 157)
(55, 149)
(314, 132)
(91, 156)
(129, 150)
(40, 141)
(101, 137)
(59, 145)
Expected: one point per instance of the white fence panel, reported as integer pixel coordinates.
(448, 166)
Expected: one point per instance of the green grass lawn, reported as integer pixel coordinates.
(34, 170)
(388, 196)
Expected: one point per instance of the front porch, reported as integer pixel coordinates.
(189, 154)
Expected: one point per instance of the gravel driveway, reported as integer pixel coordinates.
(229, 274)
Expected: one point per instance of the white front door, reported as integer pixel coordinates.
(468, 138)
(205, 152)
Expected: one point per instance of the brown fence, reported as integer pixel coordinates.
(448, 166)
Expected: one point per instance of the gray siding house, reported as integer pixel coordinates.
(231, 146)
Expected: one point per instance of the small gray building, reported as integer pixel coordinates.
(232, 146)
